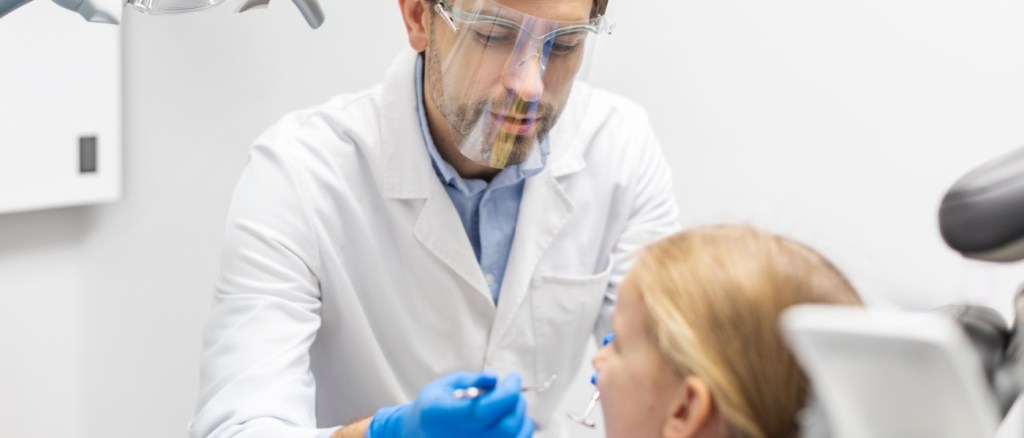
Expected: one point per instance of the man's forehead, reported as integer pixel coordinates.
(558, 10)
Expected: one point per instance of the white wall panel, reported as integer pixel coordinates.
(60, 80)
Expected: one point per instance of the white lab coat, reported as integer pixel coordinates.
(348, 283)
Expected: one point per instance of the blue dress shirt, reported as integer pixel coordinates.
(488, 210)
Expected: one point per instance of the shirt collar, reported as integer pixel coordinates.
(534, 163)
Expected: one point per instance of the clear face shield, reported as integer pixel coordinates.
(160, 7)
(501, 77)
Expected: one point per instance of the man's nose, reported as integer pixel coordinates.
(526, 77)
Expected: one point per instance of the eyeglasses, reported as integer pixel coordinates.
(502, 31)
(450, 14)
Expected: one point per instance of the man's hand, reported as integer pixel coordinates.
(499, 412)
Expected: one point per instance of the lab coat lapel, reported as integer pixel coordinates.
(404, 170)
(406, 173)
(544, 210)
(439, 229)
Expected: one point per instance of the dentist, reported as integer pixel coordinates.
(477, 211)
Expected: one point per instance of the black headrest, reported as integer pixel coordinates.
(982, 215)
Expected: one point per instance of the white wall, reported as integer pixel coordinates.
(841, 123)
(41, 371)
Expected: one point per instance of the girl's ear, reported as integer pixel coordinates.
(692, 410)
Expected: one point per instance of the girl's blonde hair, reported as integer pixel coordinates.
(714, 296)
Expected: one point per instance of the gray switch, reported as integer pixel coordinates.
(87, 154)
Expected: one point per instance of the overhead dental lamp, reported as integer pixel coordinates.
(105, 11)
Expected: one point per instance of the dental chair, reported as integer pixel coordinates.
(956, 372)
(982, 218)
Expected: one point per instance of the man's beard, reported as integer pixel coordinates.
(482, 134)
(480, 138)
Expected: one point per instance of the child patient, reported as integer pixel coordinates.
(697, 350)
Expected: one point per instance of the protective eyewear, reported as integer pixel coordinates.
(453, 15)
(502, 29)
(505, 75)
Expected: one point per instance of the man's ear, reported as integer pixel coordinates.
(692, 410)
(415, 14)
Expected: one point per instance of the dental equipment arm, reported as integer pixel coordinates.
(88, 9)
(310, 10)
(6, 6)
(104, 11)
(981, 214)
(981, 217)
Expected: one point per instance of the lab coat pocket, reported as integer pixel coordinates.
(566, 309)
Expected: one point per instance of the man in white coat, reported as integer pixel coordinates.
(440, 221)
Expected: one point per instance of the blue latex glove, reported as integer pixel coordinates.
(607, 338)
(499, 412)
